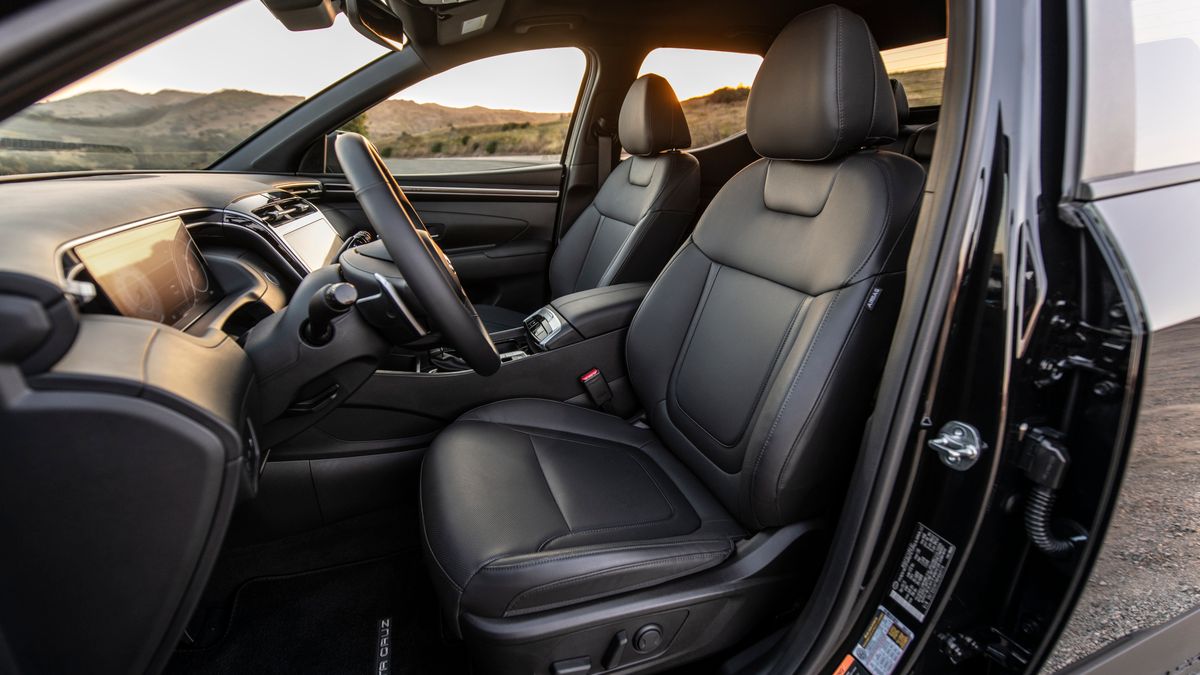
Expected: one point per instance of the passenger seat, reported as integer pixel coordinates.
(641, 213)
(914, 140)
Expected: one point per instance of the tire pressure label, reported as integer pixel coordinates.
(882, 644)
(921, 572)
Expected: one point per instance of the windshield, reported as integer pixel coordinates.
(184, 101)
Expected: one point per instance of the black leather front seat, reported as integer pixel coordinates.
(755, 356)
(640, 214)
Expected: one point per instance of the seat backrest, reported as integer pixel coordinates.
(904, 130)
(646, 204)
(757, 352)
(914, 140)
(920, 145)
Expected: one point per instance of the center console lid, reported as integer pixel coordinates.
(584, 315)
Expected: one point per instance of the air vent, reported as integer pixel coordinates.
(309, 191)
(283, 210)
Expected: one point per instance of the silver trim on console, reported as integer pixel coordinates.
(453, 191)
(386, 286)
(480, 191)
(554, 325)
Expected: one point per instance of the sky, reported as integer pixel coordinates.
(245, 47)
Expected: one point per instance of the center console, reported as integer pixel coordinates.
(583, 315)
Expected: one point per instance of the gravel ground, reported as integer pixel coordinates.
(1149, 569)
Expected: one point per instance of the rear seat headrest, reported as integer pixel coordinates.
(821, 91)
(901, 102)
(651, 118)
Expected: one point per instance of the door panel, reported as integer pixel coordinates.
(497, 226)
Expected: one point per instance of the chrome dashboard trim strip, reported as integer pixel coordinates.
(484, 192)
(449, 190)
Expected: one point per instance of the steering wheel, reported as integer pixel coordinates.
(424, 265)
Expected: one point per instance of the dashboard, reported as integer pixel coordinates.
(179, 249)
(132, 410)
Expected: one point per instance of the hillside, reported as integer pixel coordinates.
(119, 129)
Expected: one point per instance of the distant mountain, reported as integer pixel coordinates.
(397, 117)
(180, 129)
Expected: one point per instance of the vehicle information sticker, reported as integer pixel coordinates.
(882, 644)
(849, 666)
(921, 571)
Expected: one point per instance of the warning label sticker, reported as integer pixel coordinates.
(849, 666)
(882, 644)
(921, 571)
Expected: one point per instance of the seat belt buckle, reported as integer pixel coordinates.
(597, 388)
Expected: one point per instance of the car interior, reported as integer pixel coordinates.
(593, 416)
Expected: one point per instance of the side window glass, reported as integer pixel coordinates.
(713, 87)
(920, 68)
(502, 112)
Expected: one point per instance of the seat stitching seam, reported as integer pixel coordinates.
(568, 436)
(820, 397)
(710, 281)
(887, 216)
(506, 567)
(630, 525)
(792, 390)
(761, 387)
(552, 497)
(612, 570)
(549, 488)
(591, 244)
(425, 533)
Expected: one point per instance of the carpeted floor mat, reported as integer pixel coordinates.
(328, 621)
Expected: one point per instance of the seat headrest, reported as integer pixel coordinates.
(821, 91)
(651, 118)
(901, 101)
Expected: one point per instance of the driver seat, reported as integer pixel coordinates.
(755, 356)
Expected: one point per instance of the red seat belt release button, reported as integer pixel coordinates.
(597, 388)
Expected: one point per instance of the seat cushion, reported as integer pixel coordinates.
(529, 505)
(496, 319)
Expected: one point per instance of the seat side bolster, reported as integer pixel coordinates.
(531, 583)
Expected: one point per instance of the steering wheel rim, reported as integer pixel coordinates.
(425, 267)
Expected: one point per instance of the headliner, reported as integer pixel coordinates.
(747, 24)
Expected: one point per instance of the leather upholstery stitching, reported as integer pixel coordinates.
(621, 526)
(537, 459)
(766, 381)
(791, 390)
(767, 176)
(552, 497)
(714, 269)
(887, 219)
(509, 609)
(787, 461)
(425, 533)
(837, 88)
(490, 566)
(642, 226)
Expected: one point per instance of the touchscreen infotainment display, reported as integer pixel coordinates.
(151, 272)
(312, 239)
